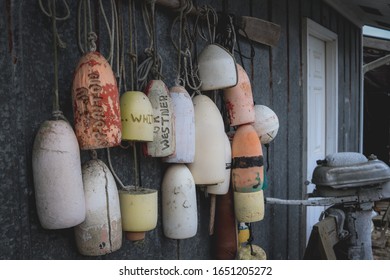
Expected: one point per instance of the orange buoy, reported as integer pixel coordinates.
(179, 207)
(101, 232)
(163, 143)
(183, 110)
(96, 103)
(57, 176)
(136, 116)
(209, 164)
(239, 100)
(247, 162)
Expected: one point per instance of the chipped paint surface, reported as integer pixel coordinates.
(163, 143)
(239, 100)
(96, 103)
(101, 232)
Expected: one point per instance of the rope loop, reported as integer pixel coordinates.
(92, 37)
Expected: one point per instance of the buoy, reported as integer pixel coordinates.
(96, 103)
(179, 207)
(139, 211)
(183, 110)
(249, 207)
(223, 188)
(217, 68)
(101, 232)
(251, 253)
(136, 116)
(209, 163)
(247, 162)
(243, 233)
(239, 100)
(224, 240)
(163, 143)
(266, 124)
(57, 176)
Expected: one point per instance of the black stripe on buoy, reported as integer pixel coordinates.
(247, 162)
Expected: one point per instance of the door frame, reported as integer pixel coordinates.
(311, 28)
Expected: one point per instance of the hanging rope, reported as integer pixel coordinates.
(57, 42)
(151, 67)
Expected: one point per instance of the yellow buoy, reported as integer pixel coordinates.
(248, 253)
(136, 116)
(139, 211)
(249, 207)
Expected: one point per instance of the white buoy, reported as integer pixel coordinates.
(57, 176)
(266, 124)
(101, 232)
(223, 188)
(183, 110)
(179, 207)
(249, 207)
(163, 143)
(209, 164)
(217, 68)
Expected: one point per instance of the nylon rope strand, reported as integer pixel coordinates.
(151, 67)
(57, 42)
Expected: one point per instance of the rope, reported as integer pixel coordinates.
(57, 42)
(152, 65)
(113, 171)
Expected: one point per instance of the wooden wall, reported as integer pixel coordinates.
(26, 84)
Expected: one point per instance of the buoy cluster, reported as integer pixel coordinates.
(187, 133)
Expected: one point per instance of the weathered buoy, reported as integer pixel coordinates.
(249, 207)
(239, 100)
(217, 68)
(251, 253)
(57, 176)
(163, 143)
(136, 116)
(179, 207)
(101, 232)
(183, 110)
(266, 124)
(224, 240)
(223, 188)
(209, 164)
(96, 103)
(247, 162)
(139, 211)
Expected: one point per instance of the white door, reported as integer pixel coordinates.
(316, 118)
(321, 103)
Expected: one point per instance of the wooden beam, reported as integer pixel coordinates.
(375, 43)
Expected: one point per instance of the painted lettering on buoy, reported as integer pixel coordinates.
(148, 119)
(163, 122)
(91, 96)
(96, 103)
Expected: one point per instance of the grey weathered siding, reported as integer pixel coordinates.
(26, 83)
